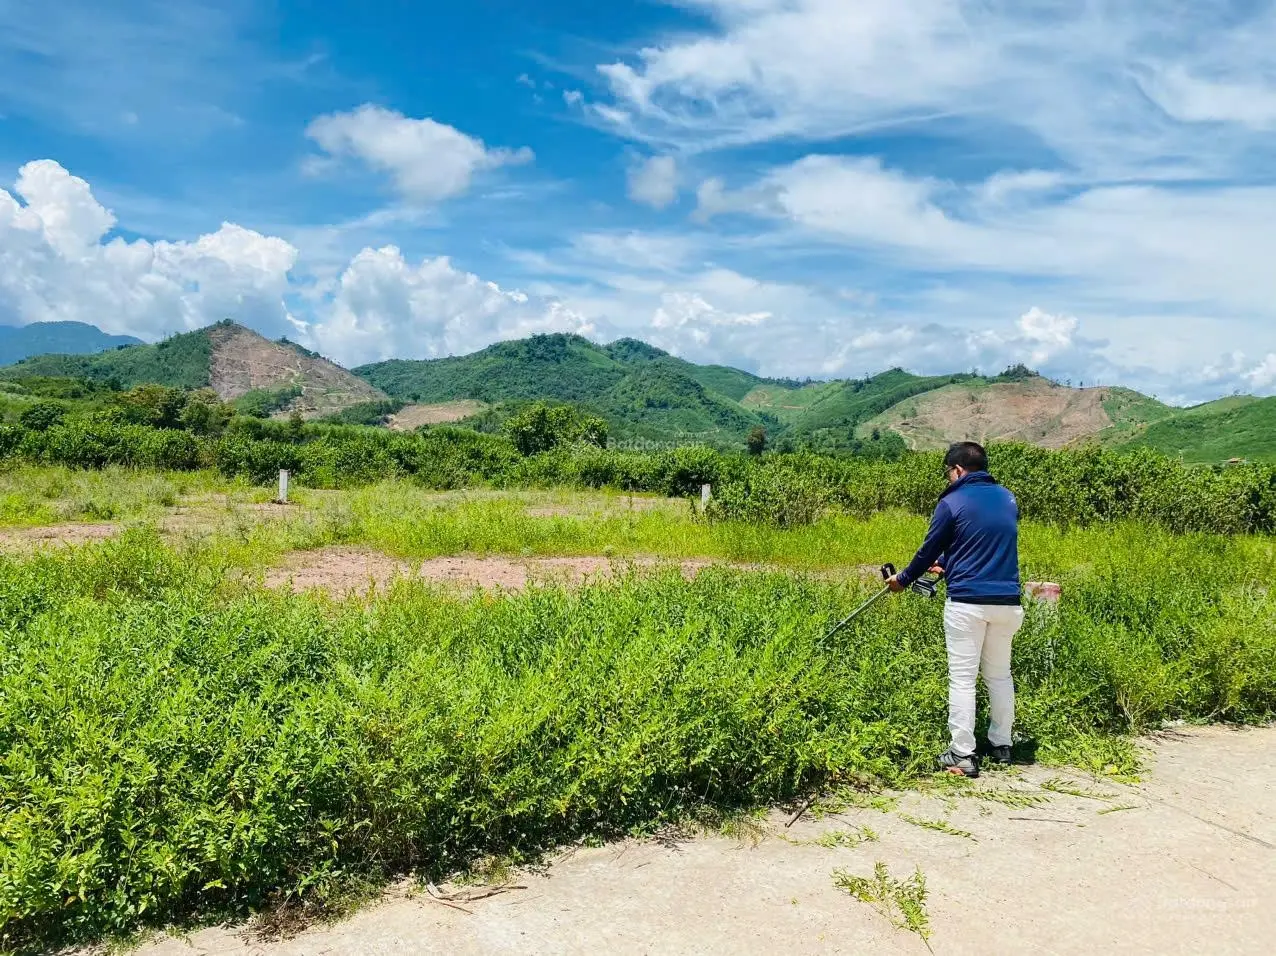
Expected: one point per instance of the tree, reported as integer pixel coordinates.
(155, 405)
(541, 427)
(42, 416)
(205, 413)
(756, 441)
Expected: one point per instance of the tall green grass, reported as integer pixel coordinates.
(176, 744)
(49, 494)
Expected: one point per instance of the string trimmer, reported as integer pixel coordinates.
(923, 586)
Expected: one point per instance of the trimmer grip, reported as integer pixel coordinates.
(888, 571)
(924, 586)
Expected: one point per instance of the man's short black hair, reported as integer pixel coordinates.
(967, 454)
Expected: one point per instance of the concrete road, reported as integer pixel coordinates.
(1189, 867)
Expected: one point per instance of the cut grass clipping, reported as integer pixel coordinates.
(939, 826)
(903, 902)
(841, 839)
(1059, 785)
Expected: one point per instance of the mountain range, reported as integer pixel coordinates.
(68, 338)
(648, 394)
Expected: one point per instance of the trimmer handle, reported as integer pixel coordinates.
(926, 587)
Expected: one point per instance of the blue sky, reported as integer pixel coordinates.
(797, 187)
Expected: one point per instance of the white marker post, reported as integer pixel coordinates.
(283, 486)
(706, 492)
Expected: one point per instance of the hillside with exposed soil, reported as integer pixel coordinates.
(647, 394)
(243, 361)
(236, 362)
(1036, 410)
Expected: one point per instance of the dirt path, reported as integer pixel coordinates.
(1190, 868)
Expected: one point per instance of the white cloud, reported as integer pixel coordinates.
(633, 250)
(1195, 99)
(1009, 186)
(61, 206)
(57, 261)
(654, 181)
(429, 161)
(1172, 246)
(54, 265)
(386, 307)
(776, 69)
(1104, 86)
(690, 316)
(1262, 377)
(1049, 333)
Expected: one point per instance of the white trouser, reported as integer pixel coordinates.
(979, 637)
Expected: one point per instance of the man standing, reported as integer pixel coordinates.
(974, 541)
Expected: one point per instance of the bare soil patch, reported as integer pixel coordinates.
(244, 361)
(185, 520)
(181, 521)
(439, 413)
(58, 535)
(343, 571)
(1038, 412)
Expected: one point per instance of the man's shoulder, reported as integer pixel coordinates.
(984, 491)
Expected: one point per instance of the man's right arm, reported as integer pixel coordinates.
(938, 540)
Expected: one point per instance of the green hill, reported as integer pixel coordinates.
(641, 390)
(722, 379)
(645, 392)
(183, 361)
(1239, 427)
(566, 368)
(61, 338)
(657, 399)
(236, 362)
(841, 406)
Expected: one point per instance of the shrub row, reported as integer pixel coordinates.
(1066, 487)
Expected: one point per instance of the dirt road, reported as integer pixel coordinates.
(1189, 867)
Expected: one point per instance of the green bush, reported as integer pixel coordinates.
(173, 749)
(264, 402)
(1069, 488)
(156, 405)
(541, 427)
(365, 413)
(204, 413)
(42, 416)
(778, 497)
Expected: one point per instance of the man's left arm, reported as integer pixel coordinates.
(938, 539)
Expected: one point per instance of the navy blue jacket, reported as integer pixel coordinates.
(974, 536)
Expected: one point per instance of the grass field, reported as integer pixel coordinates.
(180, 742)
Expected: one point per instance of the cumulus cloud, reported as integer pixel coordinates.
(54, 265)
(1262, 377)
(654, 181)
(689, 314)
(58, 260)
(428, 161)
(386, 307)
(1048, 333)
